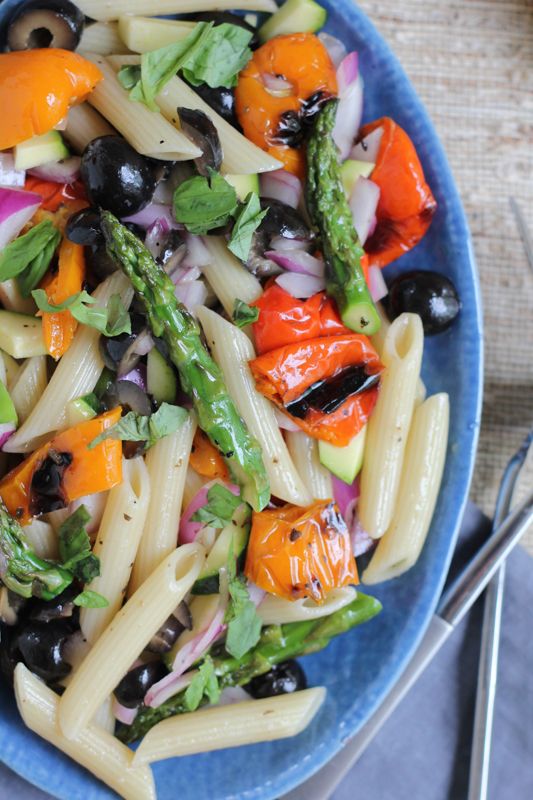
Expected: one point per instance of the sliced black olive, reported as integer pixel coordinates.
(429, 294)
(84, 227)
(284, 678)
(173, 251)
(280, 220)
(41, 645)
(326, 396)
(46, 489)
(199, 128)
(221, 100)
(132, 688)
(112, 349)
(134, 353)
(289, 130)
(172, 628)
(116, 176)
(312, 106)
(128, 395)
(61, 607)
(45, 23)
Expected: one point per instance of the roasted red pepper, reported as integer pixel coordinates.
(56, 194)
(406, 204)
(284, 375)
(300, 552)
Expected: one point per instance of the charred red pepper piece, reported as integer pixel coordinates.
(406, 204)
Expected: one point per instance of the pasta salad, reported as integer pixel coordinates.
(213, 427)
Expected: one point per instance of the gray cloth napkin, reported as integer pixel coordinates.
(422, 752)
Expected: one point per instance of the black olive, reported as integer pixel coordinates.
(41, 645)
(61, 607)
(84, 227)
(45, 23)
(429, 294)
(282, 220)
(312, 106)
(221, 100)
(289, 130)
(9, 652)
(128, 395)
(46, 489)
(116, 176)
(113, 348)
(284, 678)
(173, 251)
(132, 688)
(169, 631)
(99, 263)
(199, 128)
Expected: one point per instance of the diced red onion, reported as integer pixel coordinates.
(7, 429)
(136, 376)
(9, 176)
(285, 422)
(146, 217)
(363, 204)
(124, 714)
(197, 253)
(300, 286)
(345, 495)
(188, 531)
(185, 274)
(276, 85)
(373, 225)
(297, 261)
(347, 72)
(155, 236)
(191, 293)
(16, 209)
(368, 148)
(281, 185)
(65, 171)
(233, 694)
(255, 594)
(376, 284)
(169, 686)
(284, 243)
(337, 51)
(350, 109)
(361, 541)
(163, 193)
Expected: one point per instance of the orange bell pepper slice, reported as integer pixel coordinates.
(406, 204)
(205, 459)
(300, 552)
(283, 375)
(37, 88)
(90, 471)
(59, 327)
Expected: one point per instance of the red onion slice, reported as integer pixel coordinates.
(285, 422)
(363, 205)
(16, 209)
(155, 237)
(255, 594)
(376, 284)
(197, 253)
(65, 171)
(368, 148)
(281, 185)
(276, 85)
(345, 495)
(169, 686)
(188, 531)
(191, 293)
(350, 109)
(124, 714)
(301, 286)
(337, 51)
(233, 694)
(185, 274)
(7, 429)
(283, 243)
(297, 261)
(136, 376)
(361, 541)
(9, 176)
(150, 214)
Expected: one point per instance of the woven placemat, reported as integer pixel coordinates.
(472, 64)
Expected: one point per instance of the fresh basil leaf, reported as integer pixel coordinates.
(129, 76)
(204, 683)
(36, 269)
(89, 599)
(247, 219)
(220, 508)
(28, 256)
(75, 546)
(110, 321)
(244, 624)
(243, 314)
(138, 428)
(202, 204)
(224, 54)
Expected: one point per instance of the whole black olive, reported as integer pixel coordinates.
(45, 23)
(116, 176)
(84, 227)
(289, 130)
(429, 294)
(134, 685)
(41, 645)
(284, 678)
(199, 128)
(221, 100)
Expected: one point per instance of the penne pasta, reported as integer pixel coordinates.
(240, 155)
(126, 637)
(102, 38)
(29, 385)
(277, 611)
(8, 615)
(193, 484)
(228, 278)
(84, 124)
(94, 748)
(116, 544)
(388, 426)
(304, 453)
(232, 351)
(10, 369)
(75, 375)
(12, 300)
(142, 34)
(105, 10)
(378, 340)
(147, 131)
(166, 463)
(400, 546)
(230, 726)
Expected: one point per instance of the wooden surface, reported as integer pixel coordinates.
(471, 62)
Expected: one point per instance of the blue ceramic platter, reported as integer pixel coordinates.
(361, 666)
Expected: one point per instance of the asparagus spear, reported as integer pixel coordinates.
(200, 376)
(331, 214)
(21, 570)
(277, 643)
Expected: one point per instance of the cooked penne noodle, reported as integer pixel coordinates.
(29, 385)
(232, 350)
(423, 465)
(10, 369)
(193, 484)
(102, 38)
(240, 155)
(277, 611)
(166, 463)
(388, 426)
(84, 124)
(227, 276)
(8, 615)
(126, 637)
(230, 726)
(304, 453)
(142, 34)
(75, 375)
(42, 538)
(104, 717)
(147, 131)
(116, 544)
(94, 748)
(378, 340)
(11, 298)
(104, 10)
